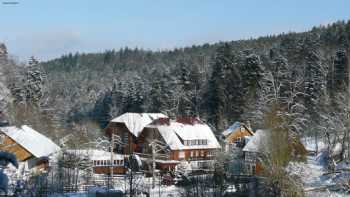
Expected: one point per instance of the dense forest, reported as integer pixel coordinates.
(306, 73)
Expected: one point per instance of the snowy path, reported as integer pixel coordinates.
(312, 175)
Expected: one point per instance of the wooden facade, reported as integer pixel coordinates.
(239, 134)
(141, 145)
(107, 170)
(192, 154)
(9, 145)
(127, 138)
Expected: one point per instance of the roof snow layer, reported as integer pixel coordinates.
(34, 142)
(174, 131)
(96, 154)
(255, 142)
(231, 129)
(136, 122)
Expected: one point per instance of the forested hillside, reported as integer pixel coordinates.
(221, 83)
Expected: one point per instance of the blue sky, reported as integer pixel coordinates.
(50, 28)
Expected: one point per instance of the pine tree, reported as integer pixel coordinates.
(341, 71)
(162, 95)
(315, 83)
(225, 87)
(186, 105)
(136, 97)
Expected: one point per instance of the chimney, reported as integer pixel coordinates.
(188, 120)
(161, 121)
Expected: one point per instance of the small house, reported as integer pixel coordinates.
(251, 151)
(102, 161)
(32, 149)
(236, 136)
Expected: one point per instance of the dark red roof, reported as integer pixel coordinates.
(189, 120)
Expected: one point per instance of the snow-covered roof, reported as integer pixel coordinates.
(234, 127)
(231, 129)
(173, 131)
(255, 141)
(95, 154)
(31, 140)
(136, 122)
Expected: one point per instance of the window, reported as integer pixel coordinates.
(210, 153)
(192, 153)
(181, 154)
(202, 153)
(115, 162)
(195, 142)
(2, 138)
(253, 169)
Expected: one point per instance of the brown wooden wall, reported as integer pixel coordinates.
(175, 154)
(107, 170)
(11, 146)
(238, 133)
(121, 130)
(258, 168)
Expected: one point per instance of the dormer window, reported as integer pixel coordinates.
(195, 142)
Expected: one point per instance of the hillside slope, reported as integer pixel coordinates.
(221, 83)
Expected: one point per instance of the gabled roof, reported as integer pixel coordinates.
(255, 142)
(34, 142)
(234, 127)
(174, 131)
(231, 129)
(136, 122)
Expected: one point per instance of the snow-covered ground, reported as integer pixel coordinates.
(317, 182)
